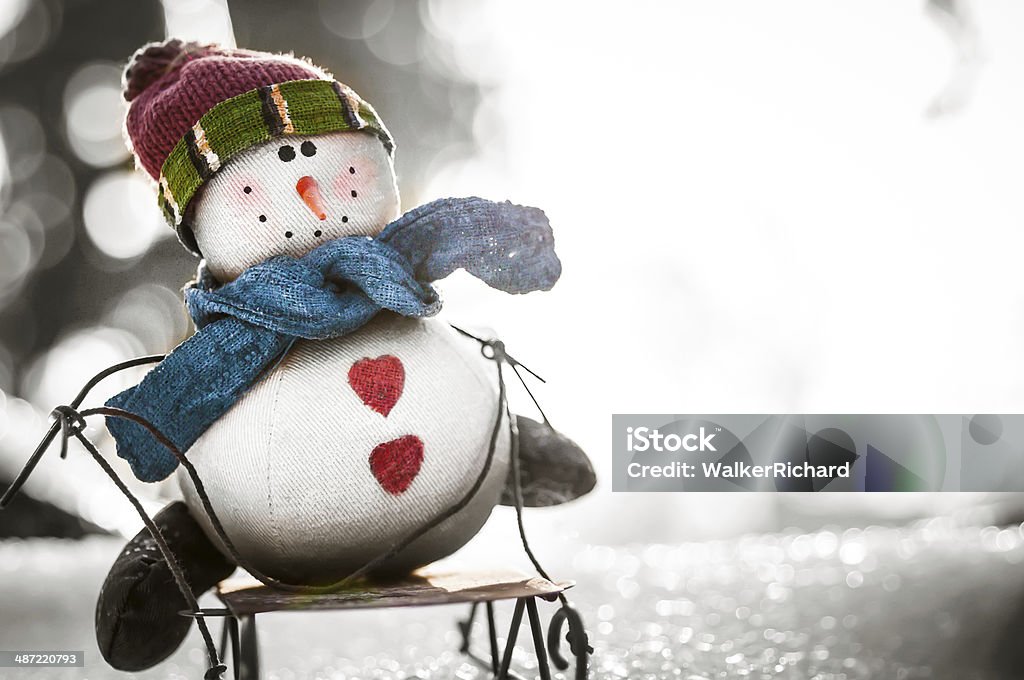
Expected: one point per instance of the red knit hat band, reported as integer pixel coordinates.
(172, 84)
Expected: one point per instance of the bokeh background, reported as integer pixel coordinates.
(760, 206)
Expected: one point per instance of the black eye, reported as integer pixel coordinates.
(308, 148)
(247, 190)
(287, 234)
(351, 170)
(286, 153)
(263, 218)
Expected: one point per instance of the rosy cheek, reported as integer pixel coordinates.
(248, 197)
(358, 178)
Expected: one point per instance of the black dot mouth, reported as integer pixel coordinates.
(344, 218)
(318, 233)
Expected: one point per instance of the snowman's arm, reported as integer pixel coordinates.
(137, 613)
(552, 468)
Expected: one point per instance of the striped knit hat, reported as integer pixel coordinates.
(194, 106)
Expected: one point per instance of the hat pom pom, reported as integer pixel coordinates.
(151, 62)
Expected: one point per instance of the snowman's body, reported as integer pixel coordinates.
(328, 461)
(339, 436)
(312, 480)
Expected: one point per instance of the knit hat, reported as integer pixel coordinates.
(193, 106)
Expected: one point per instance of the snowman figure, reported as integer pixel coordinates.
(325, 413)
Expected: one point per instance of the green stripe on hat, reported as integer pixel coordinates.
(298, 107)
(312, 107)
(373, 122)
(234, 125)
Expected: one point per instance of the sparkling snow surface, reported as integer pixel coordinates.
(934, 599)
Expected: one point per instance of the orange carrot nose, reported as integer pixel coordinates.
(309, 190)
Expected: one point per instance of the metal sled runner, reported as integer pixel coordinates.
(434, 585)
(244, 601)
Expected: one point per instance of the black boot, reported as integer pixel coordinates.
(552, 468)
(137, 619)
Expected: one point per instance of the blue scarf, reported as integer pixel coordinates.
(245, 327)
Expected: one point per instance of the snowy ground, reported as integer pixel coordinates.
(933, 599)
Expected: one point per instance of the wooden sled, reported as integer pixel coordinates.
(244, 598)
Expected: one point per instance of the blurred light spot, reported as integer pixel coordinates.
(891, 583)
(16, 257)
(29, 29)
(53, 178)
(11, 14)
(93, 112)
(42, 210)
(6, 371)
(852, 553)
(120, 215)
(398, 42)
(56, 377)
(20, 217)
(45, 190)
(23, 422)
(489, 122)
(455, 170)
(202, 20)
(107, 510)
(377, 16)
(825, 543)
(153, 314)
(356, 20)
(464, 39)
(454, 19)
(24, 141)
(45, 214)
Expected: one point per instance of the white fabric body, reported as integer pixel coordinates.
(287, 468)
(227, 219)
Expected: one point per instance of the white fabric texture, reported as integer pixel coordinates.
(251, 209)
(287, 468)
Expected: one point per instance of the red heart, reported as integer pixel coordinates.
(397, 462)
(378, 382)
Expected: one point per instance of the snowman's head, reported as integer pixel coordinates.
(256, 154)
(290, 195)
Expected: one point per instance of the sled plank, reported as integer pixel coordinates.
(429, 586)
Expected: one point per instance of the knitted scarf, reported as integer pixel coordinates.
(246, 326)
